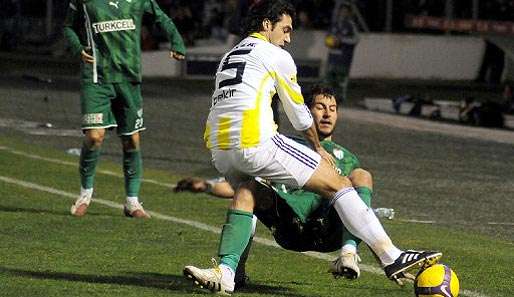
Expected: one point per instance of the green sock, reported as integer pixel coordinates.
(234, 237)
(132, 169)
(241, 266)
(365, 193)
(87, 166)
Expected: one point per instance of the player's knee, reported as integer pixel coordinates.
(130, 142)
(335, 185)
(326, 181)
(361, 178)
(94, 140)
(244, 197)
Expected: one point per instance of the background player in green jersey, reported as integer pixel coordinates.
(106, 34)
(302, 220)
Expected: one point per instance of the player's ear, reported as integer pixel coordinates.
(266, 25)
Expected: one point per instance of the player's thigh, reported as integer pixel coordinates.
(282, 160)
(264, 196)
(326, 181)
(95, 106)
(289, 229)
(223, 161)
(127, 107)
(279, 159)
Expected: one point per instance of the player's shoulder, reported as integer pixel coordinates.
(336, 148)
(281, 56)
(269, 52)
(282, 61)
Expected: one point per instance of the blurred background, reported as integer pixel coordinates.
(39, 22)
(462, 47)
(438, 72)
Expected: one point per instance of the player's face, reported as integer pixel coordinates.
(280, 34)
(324, 113)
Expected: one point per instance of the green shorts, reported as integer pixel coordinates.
(301, 221)
(112, 105)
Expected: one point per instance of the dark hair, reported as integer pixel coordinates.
(346, 5)
(267, 9)
(318, 90)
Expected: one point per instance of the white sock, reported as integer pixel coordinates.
(348, 248)
(86, 192)
(227, 273)
(362, 222)
(254, 225)
(132, 199)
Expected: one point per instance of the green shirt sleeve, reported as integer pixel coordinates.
(70, 28)
(176, 42)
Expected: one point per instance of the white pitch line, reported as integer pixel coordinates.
(416, 221)
(170, 185)
(500, 223)
(195, 224)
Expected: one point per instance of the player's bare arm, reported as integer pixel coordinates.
(311, 135)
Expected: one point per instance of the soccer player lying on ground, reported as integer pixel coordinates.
(244, 144)
(107, 37)
(301, 220)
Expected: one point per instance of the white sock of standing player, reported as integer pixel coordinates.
(362, 222)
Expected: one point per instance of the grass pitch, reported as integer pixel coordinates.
(47, 252)
(465, 186)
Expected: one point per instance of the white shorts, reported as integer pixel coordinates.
(279, 159)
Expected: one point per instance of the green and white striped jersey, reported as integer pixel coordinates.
(110, 30)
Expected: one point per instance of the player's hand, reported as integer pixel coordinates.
(177, 56)
(328, 157)
(86, 57)
(192, 184)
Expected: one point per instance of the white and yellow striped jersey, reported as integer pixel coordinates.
(247, 78)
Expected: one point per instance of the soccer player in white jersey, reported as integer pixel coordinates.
(244, 143)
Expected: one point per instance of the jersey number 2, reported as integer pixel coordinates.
(239, 66)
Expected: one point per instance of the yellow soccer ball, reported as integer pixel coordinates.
(331, 41)
(436, 281)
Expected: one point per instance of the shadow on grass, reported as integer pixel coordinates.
(146, 280)
(272, 290)
(349, 288)
(64, 212)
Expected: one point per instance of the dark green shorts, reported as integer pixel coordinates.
(112, 105)
(298, 227)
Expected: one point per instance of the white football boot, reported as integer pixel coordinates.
(346, 265)
(211, 278)
(79, 208)
(135, 210)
